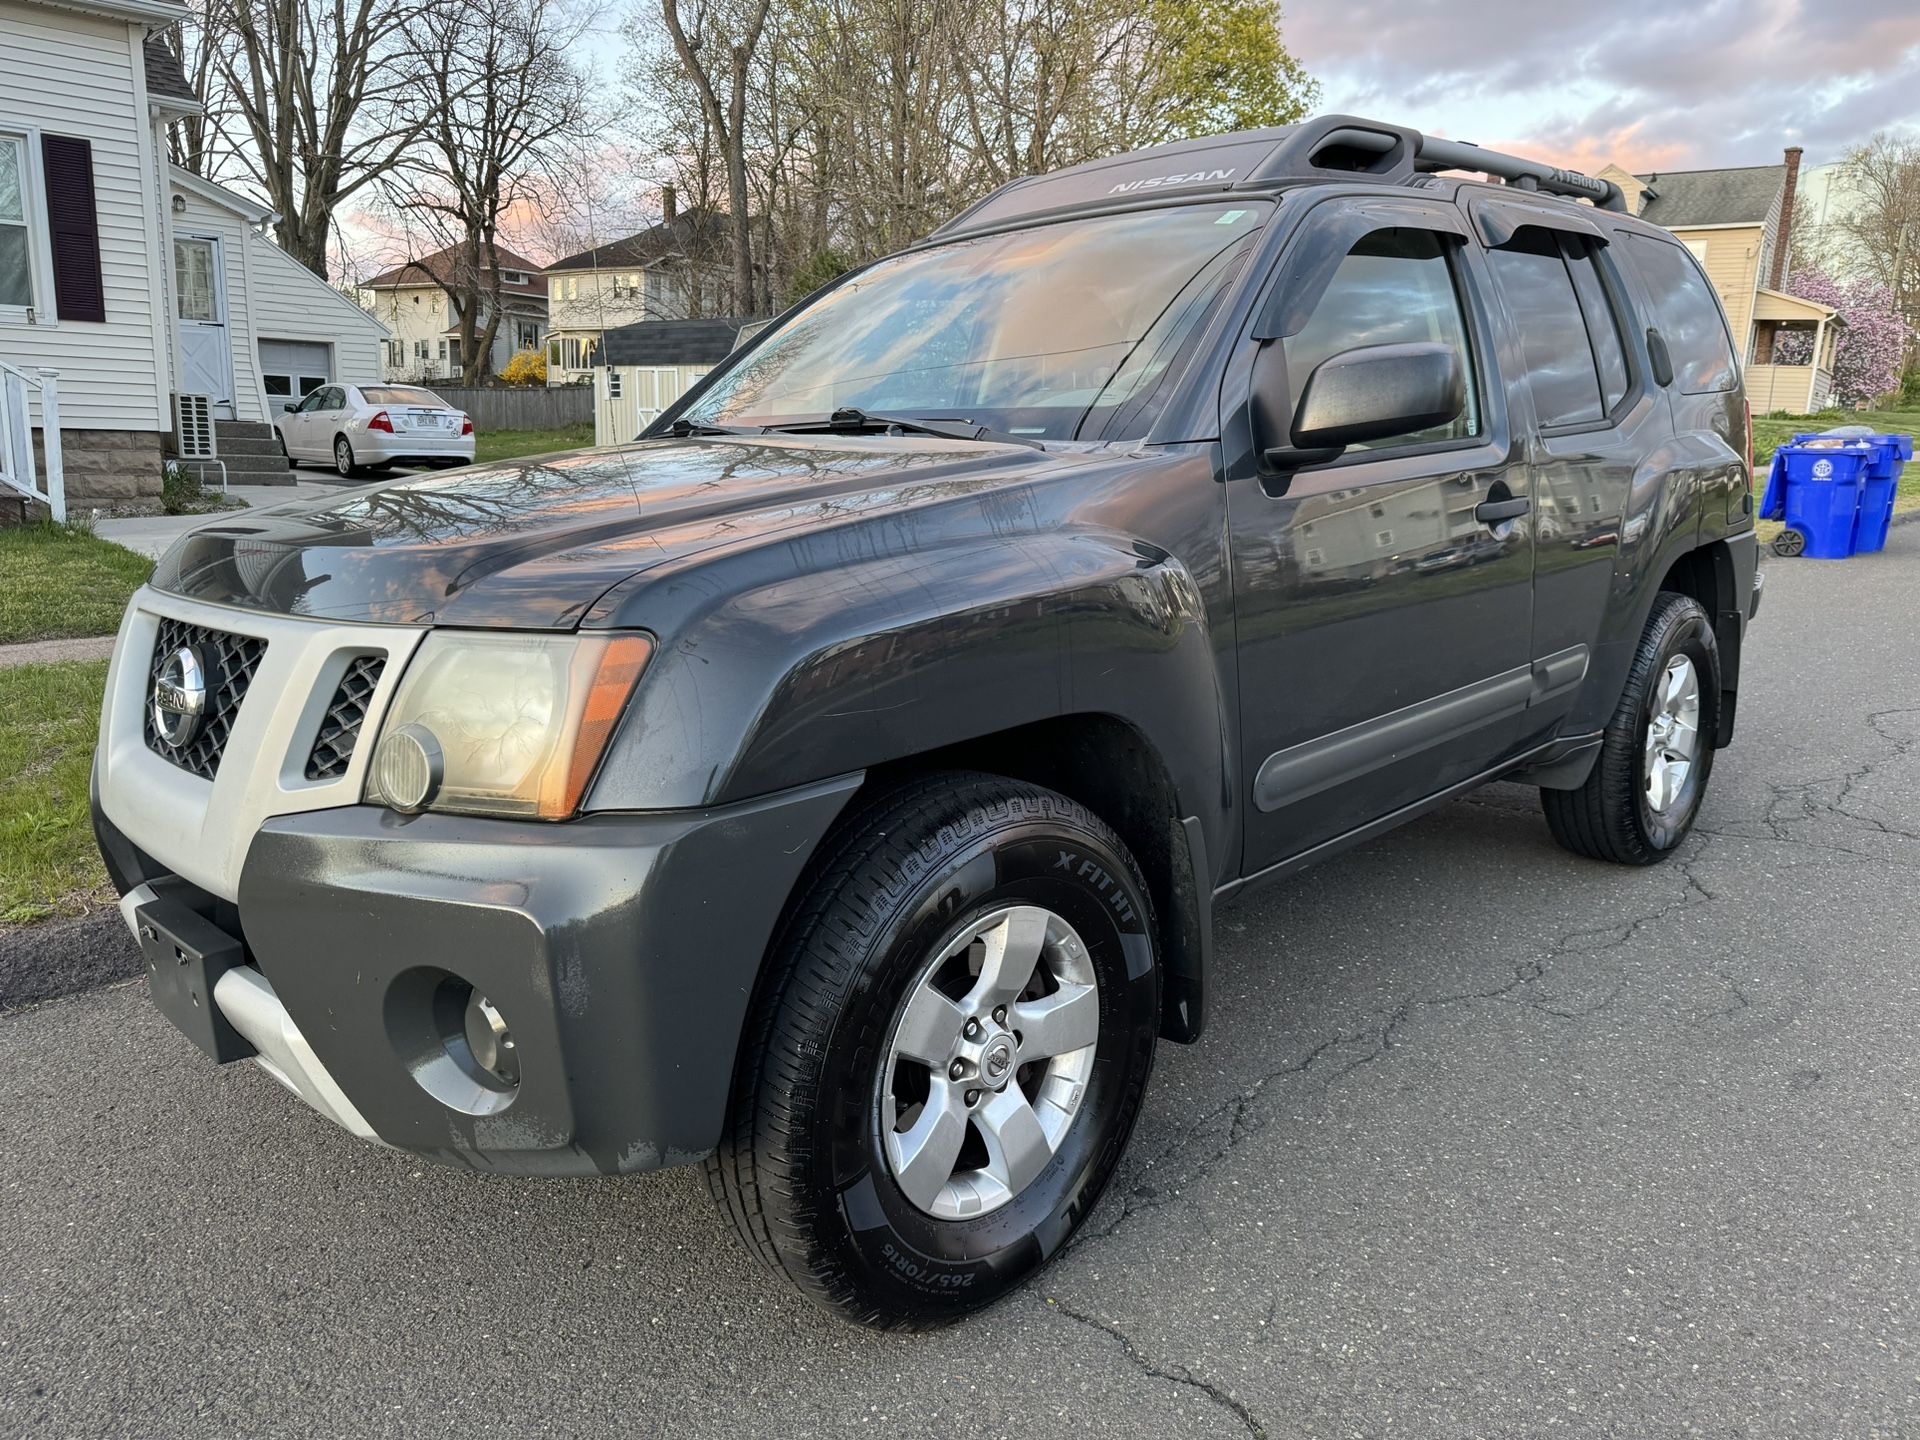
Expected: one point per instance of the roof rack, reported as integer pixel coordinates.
(1328, 147)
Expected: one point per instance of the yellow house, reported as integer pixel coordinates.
(1738, 223)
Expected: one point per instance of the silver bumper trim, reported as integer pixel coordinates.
(251, 1007)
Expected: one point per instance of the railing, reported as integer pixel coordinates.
(17, 469)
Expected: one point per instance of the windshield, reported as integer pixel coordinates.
(402, 395)
(1061, 331)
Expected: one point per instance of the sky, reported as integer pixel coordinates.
(1649, 84)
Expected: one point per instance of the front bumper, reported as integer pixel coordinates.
(622, 950)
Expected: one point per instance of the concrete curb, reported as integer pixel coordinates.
(49, 652)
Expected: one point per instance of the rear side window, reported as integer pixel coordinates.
(1688, 315)
(1394, 287)
(1532, 274)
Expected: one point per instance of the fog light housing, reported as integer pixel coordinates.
(491, 1041)
(408, 767)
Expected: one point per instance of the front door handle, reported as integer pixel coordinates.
(1493, 512)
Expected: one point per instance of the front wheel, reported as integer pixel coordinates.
(950, 1050)
(1641, 797)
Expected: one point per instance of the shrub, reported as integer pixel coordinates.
(528, 367)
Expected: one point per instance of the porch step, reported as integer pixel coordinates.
(225, 430)
(232, 446)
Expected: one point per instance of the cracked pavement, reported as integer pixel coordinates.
(1484, 1140)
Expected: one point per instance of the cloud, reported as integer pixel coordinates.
(1648, 83)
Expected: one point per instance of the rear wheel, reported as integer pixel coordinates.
(949, 1053)
(1645, 789)
(343, 461)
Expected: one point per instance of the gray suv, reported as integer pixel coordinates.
(836, 786)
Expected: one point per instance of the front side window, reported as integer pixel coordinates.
(16, 240)
(1687, 313)
(1030, 332)
(1531, 271)
(1395, 287)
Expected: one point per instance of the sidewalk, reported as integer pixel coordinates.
(152, 534)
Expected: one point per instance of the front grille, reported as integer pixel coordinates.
(346, 713)
(228, 662)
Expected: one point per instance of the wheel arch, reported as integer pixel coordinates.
(1112, 767)
(1710, 575)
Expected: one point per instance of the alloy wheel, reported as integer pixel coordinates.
(989, 1061)
(1673, 734)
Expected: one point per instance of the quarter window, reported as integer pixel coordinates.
(1603, 320)
(1531, 271)
(16, 240)
(1394, 287)
(1687, 313)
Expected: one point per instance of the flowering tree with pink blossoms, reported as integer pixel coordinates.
(1872, 346)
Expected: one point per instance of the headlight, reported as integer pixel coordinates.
(503, 724)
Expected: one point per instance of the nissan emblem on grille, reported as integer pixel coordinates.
(179, 697)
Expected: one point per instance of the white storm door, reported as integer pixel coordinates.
(206, 353)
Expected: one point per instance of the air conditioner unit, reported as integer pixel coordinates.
(195, 441)
(193, 435)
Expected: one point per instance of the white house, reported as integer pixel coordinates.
(654, 275)
(132, 281)
(256, 327)
(415, 302)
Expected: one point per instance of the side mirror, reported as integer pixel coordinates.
(291, 406)
(1372, 393)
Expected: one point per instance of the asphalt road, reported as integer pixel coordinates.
(1486, 1140)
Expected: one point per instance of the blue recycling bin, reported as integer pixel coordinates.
(1880, 489)
(1816, 491)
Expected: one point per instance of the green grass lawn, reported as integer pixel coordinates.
(506, 444)
(49, 719)
(57, 584)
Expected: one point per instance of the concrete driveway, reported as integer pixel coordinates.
(1486, 1140)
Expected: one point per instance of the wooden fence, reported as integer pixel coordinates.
(534, 408)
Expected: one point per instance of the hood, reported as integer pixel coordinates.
(533, 543)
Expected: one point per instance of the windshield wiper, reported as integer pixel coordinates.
(852, 421)
(682, 428)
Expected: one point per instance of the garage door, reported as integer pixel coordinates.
(293, 367)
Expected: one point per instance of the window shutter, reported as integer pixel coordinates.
(75, 228)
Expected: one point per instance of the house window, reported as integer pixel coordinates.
(1383, 539)
(193, 282)
(526, 335)
(443, 349)
(613, 383)
(419, 349)
(573, 287)
(16, 240)
(278, 384)
(311, 383)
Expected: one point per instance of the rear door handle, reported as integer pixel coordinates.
(1492, 512)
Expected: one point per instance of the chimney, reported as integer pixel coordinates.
(1783, 240)
(669, 204)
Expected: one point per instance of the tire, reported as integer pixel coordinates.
(804, 1169)
(343, 462)
(1619, 814)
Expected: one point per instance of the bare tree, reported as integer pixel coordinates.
(315, 100)
(704, 28)
(505, 107)
(1876, 230)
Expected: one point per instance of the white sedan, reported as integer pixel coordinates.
(353, 427)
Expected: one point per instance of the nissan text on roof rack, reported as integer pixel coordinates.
(836, 787)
